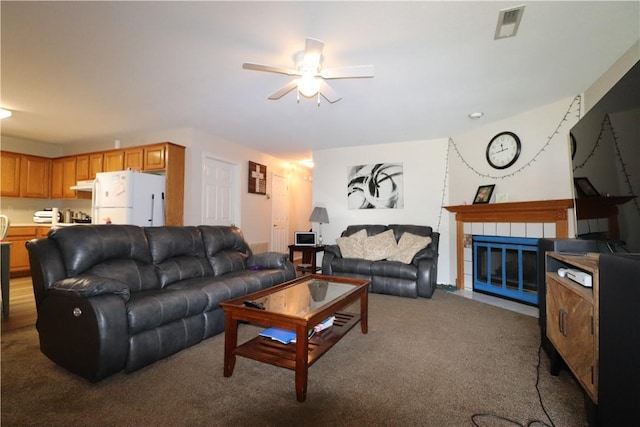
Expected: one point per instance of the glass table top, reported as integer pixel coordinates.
(304, 297)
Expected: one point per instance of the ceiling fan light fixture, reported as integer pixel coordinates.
(311, 76)
(308, 86)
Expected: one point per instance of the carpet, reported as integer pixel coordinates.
(424, 362)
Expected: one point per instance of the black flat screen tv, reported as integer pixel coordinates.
(606, 154)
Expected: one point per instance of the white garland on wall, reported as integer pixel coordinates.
(444, 185)
(576, 104)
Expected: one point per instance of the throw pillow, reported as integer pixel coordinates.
(381, 246)
(352, 246)
(408, 246)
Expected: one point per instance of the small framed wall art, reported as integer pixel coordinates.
(257, 178)
(483, 195)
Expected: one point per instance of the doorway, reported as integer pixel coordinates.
(279, 214)
(220, 190)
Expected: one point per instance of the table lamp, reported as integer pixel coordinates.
(319, 215)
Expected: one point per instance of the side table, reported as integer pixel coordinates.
(308, 257)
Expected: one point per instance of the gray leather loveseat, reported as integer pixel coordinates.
(119, 297)
(395, 266)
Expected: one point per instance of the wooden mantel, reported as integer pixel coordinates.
(555, 211)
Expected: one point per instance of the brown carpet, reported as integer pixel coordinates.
(424, 362)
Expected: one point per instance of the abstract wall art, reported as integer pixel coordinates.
(377, 186)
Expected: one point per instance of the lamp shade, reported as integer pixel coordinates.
(319, 215)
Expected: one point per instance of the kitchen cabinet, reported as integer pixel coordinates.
(18, 236)
(154, 157)
(113, 160)
(34, 177)
(63, 176)
(10, 180)
(25, 175)
(82, 167)
(134, 159)
(88, 165)
(57, 175)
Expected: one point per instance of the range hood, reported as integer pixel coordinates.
(86, 185)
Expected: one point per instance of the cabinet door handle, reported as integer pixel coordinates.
(560, 322)
(562, 319)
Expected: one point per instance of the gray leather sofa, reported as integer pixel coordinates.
(413, 279)
(119, 297)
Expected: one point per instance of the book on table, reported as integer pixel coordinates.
(286, 336)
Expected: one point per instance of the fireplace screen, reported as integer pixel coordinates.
(506, 267)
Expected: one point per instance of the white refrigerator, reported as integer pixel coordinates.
(128, 197)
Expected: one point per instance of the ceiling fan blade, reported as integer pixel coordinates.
(284, 90)
(269, 68)
(328, 93)
(357, 71)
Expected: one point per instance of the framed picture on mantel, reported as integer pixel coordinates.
(483, 195)
(257, 178)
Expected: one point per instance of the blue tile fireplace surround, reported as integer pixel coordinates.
(506, 267)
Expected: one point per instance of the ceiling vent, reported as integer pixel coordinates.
(508, 22)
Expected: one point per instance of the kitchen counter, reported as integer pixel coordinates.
(39, 224)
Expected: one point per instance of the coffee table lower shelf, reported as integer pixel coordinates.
(284, 355)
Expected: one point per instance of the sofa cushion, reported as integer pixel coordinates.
(351, 265)
(371, 229)
(221, 238)
(352, 246)
(408, 246)
(150, 309)
(394, 286)
(227, 261)
(394, 269)
(380, 246)
(169, 242)
(178, 253)
(83, 247)
(137, 276)
(418, 230)
(267, 260)
(232, 285)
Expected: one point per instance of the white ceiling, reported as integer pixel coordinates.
(76, 71)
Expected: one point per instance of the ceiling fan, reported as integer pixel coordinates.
(311, 76)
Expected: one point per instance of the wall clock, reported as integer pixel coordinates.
(503, 150)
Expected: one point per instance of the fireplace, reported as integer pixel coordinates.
(506, 267)
(534, 219)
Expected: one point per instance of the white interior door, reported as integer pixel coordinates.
(220, 192)
(280, 214)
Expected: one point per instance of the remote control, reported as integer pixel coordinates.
(254, 304)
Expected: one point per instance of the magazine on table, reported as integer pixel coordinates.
(286, 336)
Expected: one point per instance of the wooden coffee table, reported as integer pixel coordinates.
(297, 305)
